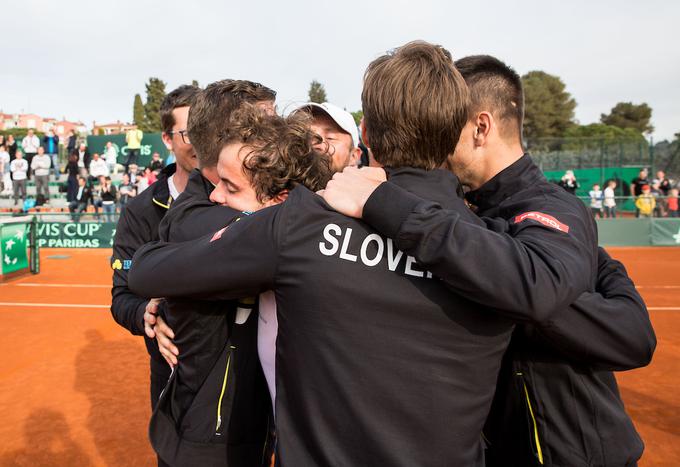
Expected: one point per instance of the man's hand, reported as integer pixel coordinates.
(150, 316)
(164, 336)
(349, 190)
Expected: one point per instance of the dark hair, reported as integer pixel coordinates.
(281, 151)
(497, 88)
(212, 109)
(415, 105)
(183, 96)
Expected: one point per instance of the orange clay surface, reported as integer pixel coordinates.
(74, 387)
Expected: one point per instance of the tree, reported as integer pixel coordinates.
(195, 83)
(629, 115)
(317, 93)
(548, 107)
(603, 132)
(155, 93)
(357, 116)
(138, 111)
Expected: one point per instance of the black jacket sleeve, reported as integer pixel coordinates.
(127, 308)
(527, 274)
(608, 330)
(239, 260)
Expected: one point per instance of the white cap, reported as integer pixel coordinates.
(340, 116)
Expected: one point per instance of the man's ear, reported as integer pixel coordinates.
(277, 199)
(364, 136)
(167, 140)
(355, 157)
(483, 126)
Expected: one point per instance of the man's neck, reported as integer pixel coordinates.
(501, 157)
(180, 179)
(210, 173)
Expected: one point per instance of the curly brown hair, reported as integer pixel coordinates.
(281, 152)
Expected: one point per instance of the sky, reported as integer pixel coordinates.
(86, 59)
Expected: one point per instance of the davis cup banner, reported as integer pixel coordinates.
(75, 235)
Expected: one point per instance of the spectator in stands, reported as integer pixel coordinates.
(83, 160)
(72, 142)
(569, 182)
(133, 138)
(72, 170)
(610, 200)
(5, 177)
(98, 167)
(108, 198)
(2, 140)
(645, 202)
(673, 203)
(596, 196)
(40, 165)
(19, 169)
(664, 183)
(637, 182)
(127, 191)
(146, 180)
(659, 201)
(51, 145)
(30, 145)
(134, 175)
(81, 200)
(11, 146)
(156, 163)
(111, 157)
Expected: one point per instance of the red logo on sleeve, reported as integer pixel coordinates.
(548, 221)
(218, 234)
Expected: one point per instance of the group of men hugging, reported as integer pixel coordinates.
(444, 306)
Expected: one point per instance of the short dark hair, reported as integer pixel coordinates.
(415, 106)
(497, 88)
(183, 96)
(212, 109)
(282, 153)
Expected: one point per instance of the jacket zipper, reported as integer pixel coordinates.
(224, 387)
(539, 451)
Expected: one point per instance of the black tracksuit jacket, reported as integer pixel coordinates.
(378, 363)
(138, 224)
(555, 391)
(202, 329)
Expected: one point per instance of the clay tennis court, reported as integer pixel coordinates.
(74, 385)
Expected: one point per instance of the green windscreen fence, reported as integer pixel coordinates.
(639, 232)
(588, 177)
(151, 142)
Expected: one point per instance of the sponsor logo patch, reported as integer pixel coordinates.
(218, 234)
(545, 219)
(127, 264)
(117, 265)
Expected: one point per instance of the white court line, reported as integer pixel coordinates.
(34, 284)
(657, 286)
(54, 305)
(663, 308)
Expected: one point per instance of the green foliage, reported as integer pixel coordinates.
(358, 115)
(20, 133)
(548, 107)
(155, 93)
(603, 132)
(629, 115)
(317, 93)
(138, 111)
(195, 83)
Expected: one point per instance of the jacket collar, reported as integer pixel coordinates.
(161, 193)
(438, 185)
(514, 178)
(199, 187)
